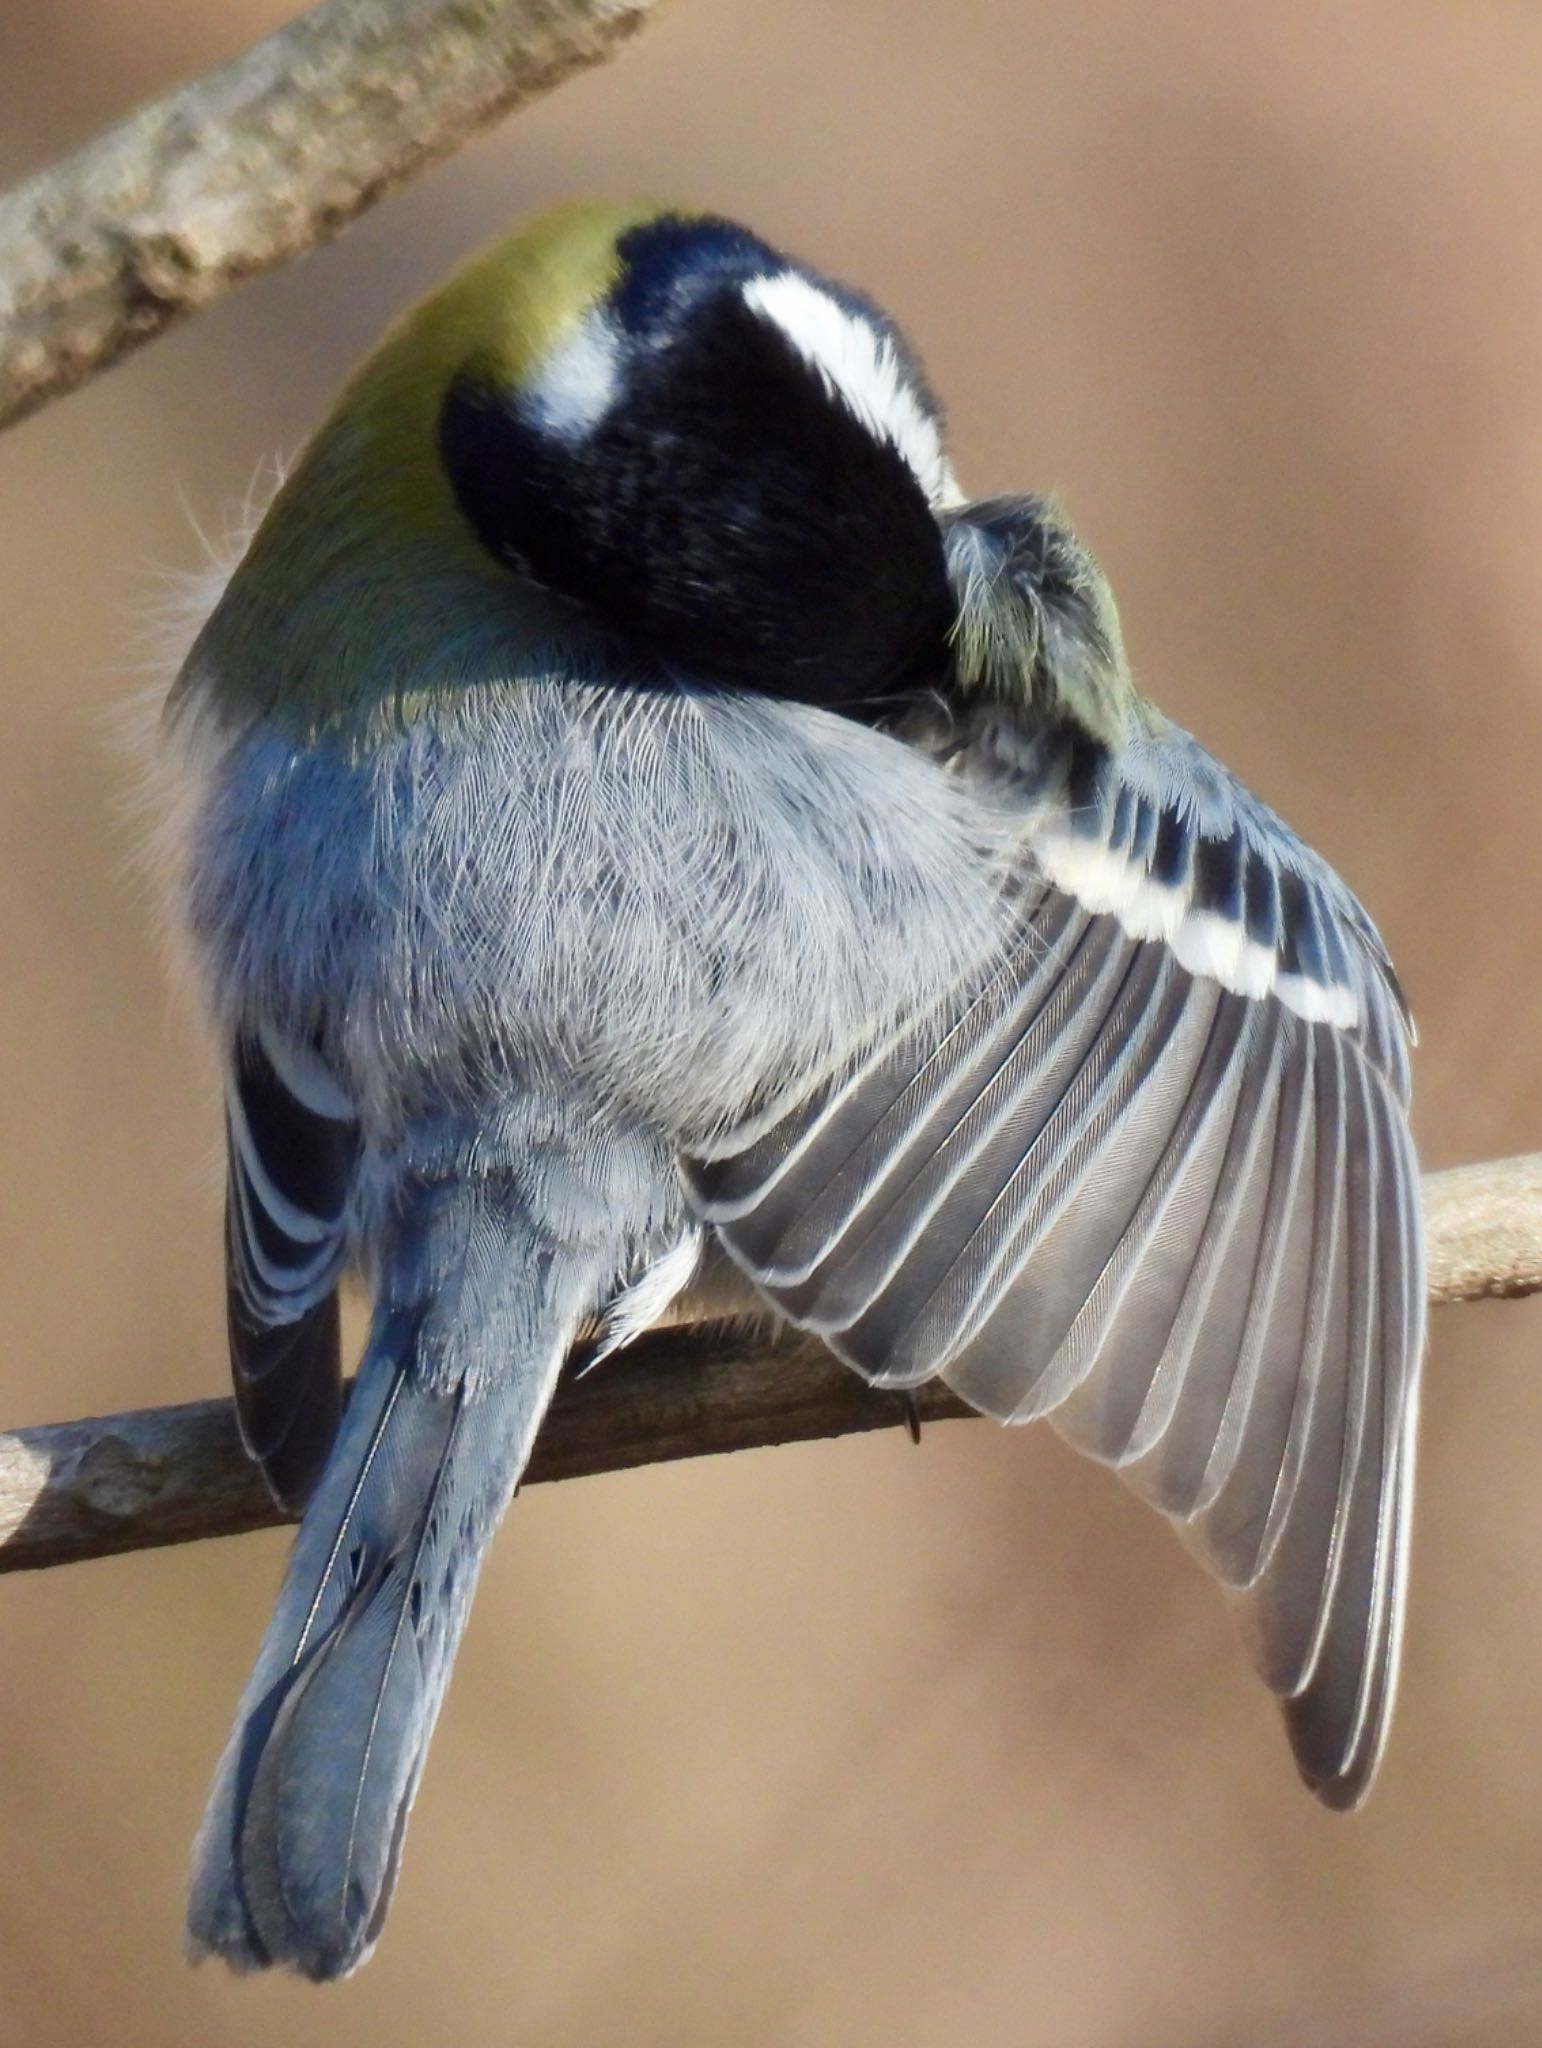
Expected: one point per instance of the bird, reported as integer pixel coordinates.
(639, 826)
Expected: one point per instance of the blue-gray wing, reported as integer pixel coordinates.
(1153, 1178)
(291, 1144)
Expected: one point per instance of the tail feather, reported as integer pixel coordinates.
(299, 1846)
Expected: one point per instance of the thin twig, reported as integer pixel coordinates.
(73, 1490)
(260, 161)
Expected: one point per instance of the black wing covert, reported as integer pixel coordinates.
(292, 1143)
(1153, 1179)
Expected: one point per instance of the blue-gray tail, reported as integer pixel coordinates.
(299, 1846)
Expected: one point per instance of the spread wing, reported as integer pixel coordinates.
(291, 1143)
(1153, 1178)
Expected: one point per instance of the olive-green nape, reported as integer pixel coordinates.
(294, 633)
(509, 307)
(501, 316)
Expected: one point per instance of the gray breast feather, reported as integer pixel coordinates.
(685, 902)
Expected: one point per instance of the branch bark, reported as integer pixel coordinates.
(259, 162)
(1484, 1228)
(73, 1490)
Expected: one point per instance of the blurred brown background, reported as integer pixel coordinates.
(850, 1744)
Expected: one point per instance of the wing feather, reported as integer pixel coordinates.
(1151, 1177)
(1159, 1409)
(292, 1144)
(1074, 1264)
(981, 1222)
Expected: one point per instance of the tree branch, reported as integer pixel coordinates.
(1484, 1227)
(259, 162)
(71, 1490)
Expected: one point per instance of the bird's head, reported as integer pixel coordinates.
(725, 461)
(648, 424)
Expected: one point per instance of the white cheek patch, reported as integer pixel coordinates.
(574, 389)
(861, 368)
(1202, 941)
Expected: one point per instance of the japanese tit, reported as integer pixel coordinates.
(632, 808)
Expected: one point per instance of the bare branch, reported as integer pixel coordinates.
(71, 1490)
(259, 162)
(1484, 1226)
